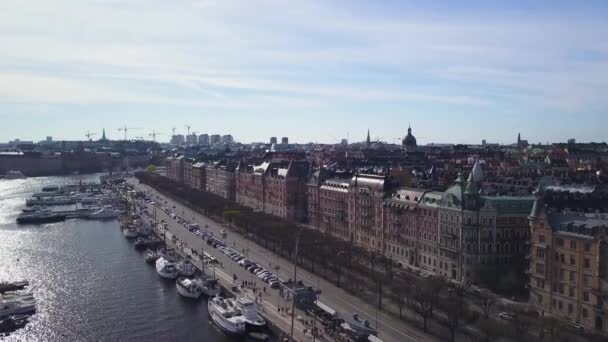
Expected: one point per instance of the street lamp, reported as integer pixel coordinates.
(295, 268)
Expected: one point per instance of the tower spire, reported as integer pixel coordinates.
(103, 135)
(368, 140)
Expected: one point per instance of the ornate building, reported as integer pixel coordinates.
(569, 261)
(409, 142)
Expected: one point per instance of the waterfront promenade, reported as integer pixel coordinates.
(390, 328)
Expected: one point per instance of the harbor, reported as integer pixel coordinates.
(233, 293)
(89, 281)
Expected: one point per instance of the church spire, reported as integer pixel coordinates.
(368, 141)
(103, 135)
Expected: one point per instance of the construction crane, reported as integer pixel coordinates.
(154, 134)
(126, 129)
(173, 129)
(89, 135)
(188, 127)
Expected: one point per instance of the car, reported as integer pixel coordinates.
(260, 271)
(253, 269)
(507, 316)
(275, 284)
(575, 326)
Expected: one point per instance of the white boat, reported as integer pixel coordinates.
(186, 269)
(130, 232)
(14, 174)
(105, 213)
(16, 305)
(188, 288)
(166, 269)
(226, 316)
(248, 308)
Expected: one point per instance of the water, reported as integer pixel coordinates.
(89, 282)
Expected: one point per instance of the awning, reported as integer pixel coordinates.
(325, 308)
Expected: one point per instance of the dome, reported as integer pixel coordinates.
(409, 140)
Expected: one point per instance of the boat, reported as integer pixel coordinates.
(140, 243)
(18, 304)
(226, 315)
(40, 217)
(151, 256)
(14, 174)
(130, 232)
(14, 286)
(169, 254)
(188, 288)
(12, 323)
(166, 269)
(50, 188)
(186, 269)
(248, 308)
(210, 286)
(105, 213)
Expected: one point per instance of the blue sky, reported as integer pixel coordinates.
(313, 70)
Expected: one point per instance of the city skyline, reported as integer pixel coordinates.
(317, 73)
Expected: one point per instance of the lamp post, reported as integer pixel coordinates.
(295, 269)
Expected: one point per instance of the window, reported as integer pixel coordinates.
(541, 238)
(587, 247)
(586, 296)
(560, 242)
(561, 274)
(562, 258)
(586, 281)
(570, 308)
(572, 260)
(587, 263)
(539, 299)
(560, 305)
(572, 275)
(540, 269)
(585, 313)
(572, 244)
(561, 288)
(571, 291)
(540, 253)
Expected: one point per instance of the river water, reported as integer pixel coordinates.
(89, 282)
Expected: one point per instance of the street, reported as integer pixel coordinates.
(389, 328)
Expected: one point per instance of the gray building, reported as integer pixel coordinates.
(203, 139)
(285, 140)
(192, 139)
(215, 139)
(273, 140)
(177, 139)
(227, 139)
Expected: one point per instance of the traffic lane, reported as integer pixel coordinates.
(336, 298)
(332, 296)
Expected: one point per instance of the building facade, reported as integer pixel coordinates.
(568, 268)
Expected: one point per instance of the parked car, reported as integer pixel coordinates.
(507, 316)
(275, 284)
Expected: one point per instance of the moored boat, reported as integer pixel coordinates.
(130, 232)
(151, 256)
(40, 217)
(166, 269)
(226, 315)
(188, 288)
(186, 269)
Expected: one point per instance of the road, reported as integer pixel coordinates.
(389, 328)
